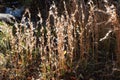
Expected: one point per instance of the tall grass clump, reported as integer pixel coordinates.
(78, 44)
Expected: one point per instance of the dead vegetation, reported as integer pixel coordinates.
(80, 44)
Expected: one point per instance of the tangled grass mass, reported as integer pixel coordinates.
(82, 43)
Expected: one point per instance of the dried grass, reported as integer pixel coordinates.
(66, 44)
